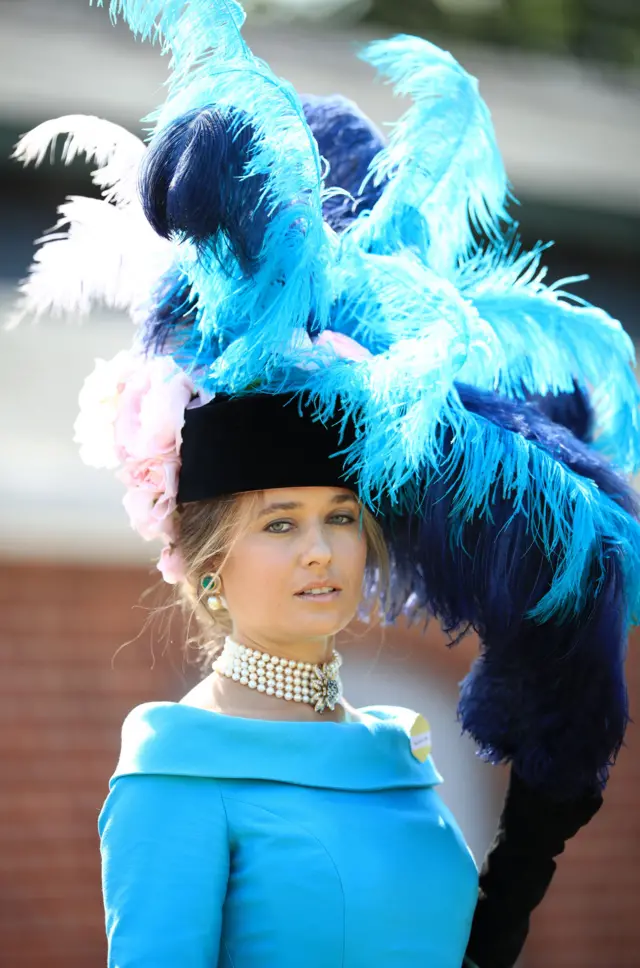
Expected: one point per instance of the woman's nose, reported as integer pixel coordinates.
(317, 549)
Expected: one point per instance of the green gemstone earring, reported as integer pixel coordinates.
(212, 584)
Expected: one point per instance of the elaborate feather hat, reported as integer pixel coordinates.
(287, 268)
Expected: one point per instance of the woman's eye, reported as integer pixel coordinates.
(344, 518)
(278, 527)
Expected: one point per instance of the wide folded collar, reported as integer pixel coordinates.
(177, 739)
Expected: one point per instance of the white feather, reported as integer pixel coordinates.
(116, 151)
(96, 253)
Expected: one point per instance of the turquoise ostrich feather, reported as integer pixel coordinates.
(442, 168)
(212, 68)
(191, 30)
(551, 338)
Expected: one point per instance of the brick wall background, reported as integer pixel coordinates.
(63, 695)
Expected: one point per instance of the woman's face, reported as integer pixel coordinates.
(297, 537)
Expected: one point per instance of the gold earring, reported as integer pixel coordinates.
(212, 584)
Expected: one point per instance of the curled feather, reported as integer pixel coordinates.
(212, 69)
(116, 152)
(442, 164)
(194, 32)
(209, 148)
(265, 213)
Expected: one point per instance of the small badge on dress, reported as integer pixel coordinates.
(420, 734)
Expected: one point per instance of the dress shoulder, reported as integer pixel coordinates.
(389, 747)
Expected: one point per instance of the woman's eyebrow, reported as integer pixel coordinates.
(292, 505)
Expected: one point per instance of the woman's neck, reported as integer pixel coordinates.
(233, 699)
(222, 694)
(316, 651)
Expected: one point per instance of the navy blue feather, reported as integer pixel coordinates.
(171, 310)
(572, 410)
(349, 141)
(551, 698)
(192, 184)
(556, 440)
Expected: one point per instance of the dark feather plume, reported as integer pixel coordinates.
(192, 184)
(550, 698)
(170, 314)
(573, 410)
(349, 141)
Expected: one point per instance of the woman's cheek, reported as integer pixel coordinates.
(353, 550)
(270, 567)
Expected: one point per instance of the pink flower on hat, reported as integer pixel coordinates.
(151, 410)
(151, 495)
(132, 415)
(171, 565)
(155, 474)
(99, 401)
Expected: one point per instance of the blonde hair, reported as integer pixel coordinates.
(207, 532)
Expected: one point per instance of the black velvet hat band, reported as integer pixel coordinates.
(256, 442)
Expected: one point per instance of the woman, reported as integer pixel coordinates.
(264, 771)
(320, 327)
(247, 824)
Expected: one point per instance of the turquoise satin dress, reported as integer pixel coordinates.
(242, 843)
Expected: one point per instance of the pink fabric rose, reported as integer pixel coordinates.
(150, 512)
(159, 476)
(172, 565)
(151, 410)
(132, 413)
(99, 401)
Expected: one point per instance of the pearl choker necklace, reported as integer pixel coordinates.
(318, 685)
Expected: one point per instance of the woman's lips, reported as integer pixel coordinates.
(319, 597)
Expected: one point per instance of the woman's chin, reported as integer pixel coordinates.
(315, 626)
